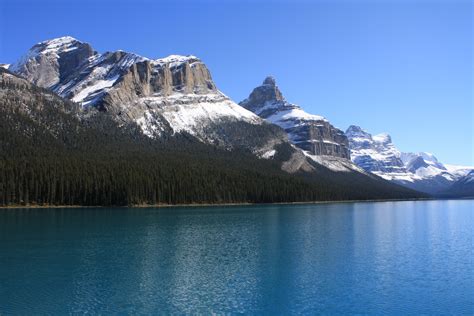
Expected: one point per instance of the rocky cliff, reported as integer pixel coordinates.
(312, 133)
(162, 96)
(126, 102)
(52, 62)
(374, 153)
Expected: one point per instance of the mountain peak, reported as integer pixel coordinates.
(355, 131)
(311, 133)
(268, 92)
(56, 45)
(50, 61)
(269, 81)
(174, 60)
(59, 40)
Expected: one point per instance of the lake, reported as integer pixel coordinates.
(388, 257)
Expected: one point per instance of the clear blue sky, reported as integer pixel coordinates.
(402, 66)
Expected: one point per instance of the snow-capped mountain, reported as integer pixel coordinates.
(173, 100)
(170, 95)
(312, 133)
(52, 62)
(97, 160)
(421, 171)
(176, 95)
(376, 154)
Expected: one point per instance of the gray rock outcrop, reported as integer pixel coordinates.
(51, 62)
(311, 133)
(163, 97)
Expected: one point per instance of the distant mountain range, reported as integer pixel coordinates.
(420, 171)
(174, 100)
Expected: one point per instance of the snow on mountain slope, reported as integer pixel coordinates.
(176, 88)
(96, 76)
(337, 164)
(421, 171)
(50, 62)
(163, 96)
(188, 113)
(459, 171)
(311, 133)
(375, 154)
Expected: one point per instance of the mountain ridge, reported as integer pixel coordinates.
(311, 133)
(420, 171)
(176, 95)
(164, 96)
(51, 156)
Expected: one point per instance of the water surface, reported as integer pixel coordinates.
(391, 257)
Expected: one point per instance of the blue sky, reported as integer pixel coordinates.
(399, 66)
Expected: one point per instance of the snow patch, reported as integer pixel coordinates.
(335, 163)
(175, 60)
(268, 154)
(89, 90)
(294, 114)
(382, 138)
(191, 113)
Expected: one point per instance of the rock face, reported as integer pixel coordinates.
(419, 171)
(120, 93)
(312, 133)
(51, 62)
(163, 97)
(75, 71)
(374, 153)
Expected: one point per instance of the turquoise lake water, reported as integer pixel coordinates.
(369, 258)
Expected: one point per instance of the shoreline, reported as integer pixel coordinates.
(13, 207)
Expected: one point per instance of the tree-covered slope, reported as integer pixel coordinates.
(50, 155)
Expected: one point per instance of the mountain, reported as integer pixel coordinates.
(375, 154)
(313, 134)
(176, 95)
(120, 104)
(419, 171)
(51, 153)
(164, 97)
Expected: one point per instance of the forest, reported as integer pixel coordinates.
(51, 156)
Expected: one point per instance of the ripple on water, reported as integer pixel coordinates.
(401, 258)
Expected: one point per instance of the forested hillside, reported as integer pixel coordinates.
(49, 155)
